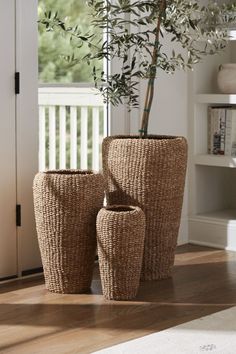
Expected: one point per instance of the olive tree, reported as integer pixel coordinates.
(134, 33)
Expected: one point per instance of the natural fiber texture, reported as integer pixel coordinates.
(66, 204)
(120, 238)
(149, 173)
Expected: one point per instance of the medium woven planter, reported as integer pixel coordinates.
(120, 238)
(66, 204)
(149, 173)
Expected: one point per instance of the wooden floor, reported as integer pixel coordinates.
(34, 321)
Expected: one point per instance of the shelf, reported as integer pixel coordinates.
(232, 34)
(216, 98)
(226, 216)
(212, 177)
(215, 160)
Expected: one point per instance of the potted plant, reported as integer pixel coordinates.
(66, 203)
(120, 241)
(145, 170)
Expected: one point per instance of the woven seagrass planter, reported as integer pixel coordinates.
(66, 204)
(120, 238)
(149, 173)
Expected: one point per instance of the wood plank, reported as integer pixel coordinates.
(84, 139)
(52, 137)
(70, 96)
(32, 320)
(62, 137)
(42, 135)
(95, 139)
(73, 137)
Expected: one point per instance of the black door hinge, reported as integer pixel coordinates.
(17, 83)
(18, 215)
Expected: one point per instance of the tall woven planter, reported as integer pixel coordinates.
(149, 173)
(66, 204)
(120, 238)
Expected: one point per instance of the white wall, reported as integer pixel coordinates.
(168, 116)
(169, 111)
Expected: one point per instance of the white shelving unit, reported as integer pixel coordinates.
(215, 98)
(212, 160)
(212, 179)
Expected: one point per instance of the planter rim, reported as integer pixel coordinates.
(121, 208)
(71, 172)
(149, 137)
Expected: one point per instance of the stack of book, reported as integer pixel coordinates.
(222, 130)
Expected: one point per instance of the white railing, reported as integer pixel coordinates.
(72, 124)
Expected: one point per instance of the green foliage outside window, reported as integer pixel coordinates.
(54, 47)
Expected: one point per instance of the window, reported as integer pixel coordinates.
(72, 115)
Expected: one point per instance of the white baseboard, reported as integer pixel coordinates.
(213, 234)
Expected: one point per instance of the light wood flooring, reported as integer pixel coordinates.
(34, 321)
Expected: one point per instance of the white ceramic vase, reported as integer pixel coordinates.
(227, 78)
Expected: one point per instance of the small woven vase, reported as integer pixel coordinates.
(120, 238)
(66, 204)
(149, 173)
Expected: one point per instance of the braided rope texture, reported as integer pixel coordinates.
(149, 173)
(120, 239)
(66, 204)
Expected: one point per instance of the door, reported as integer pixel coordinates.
(8, 241)
(27, 131)
(18, 136)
